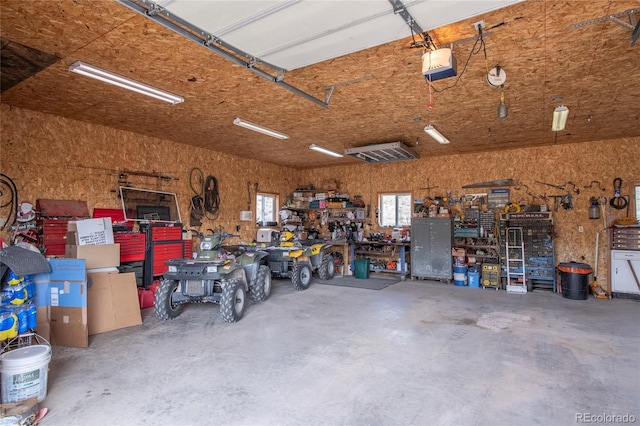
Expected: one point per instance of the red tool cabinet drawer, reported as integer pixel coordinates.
(166, 233)
(164, 252)
(132, 246)
(54, 230)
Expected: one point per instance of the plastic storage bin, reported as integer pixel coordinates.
(574, 280)
(362, 268)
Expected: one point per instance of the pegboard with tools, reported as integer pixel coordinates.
(539, 250)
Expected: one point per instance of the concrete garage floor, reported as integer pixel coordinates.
(414, 353)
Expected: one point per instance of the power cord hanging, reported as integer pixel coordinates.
(211, 198)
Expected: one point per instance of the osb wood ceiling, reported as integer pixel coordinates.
(380, 94)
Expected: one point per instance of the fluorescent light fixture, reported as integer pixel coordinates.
(258, 128)
(431, 131)
(560, 115)
(126, 83)
(326, 151)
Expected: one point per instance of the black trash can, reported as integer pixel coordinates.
(574, 280)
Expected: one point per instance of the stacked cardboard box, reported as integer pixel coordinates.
(92, 240)
(73, 304)
(84, 294)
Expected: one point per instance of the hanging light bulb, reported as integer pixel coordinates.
(503, 110)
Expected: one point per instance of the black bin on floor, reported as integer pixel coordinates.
(574, 280)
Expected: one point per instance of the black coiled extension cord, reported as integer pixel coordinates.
(211, 197)
(8, 200)
(206, 201)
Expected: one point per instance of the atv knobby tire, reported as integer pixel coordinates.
(233, 300)
(162, 306)
(327, 268)
(301, 275)
(261, 288)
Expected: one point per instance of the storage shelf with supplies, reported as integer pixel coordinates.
(539, 251)
(382, 255)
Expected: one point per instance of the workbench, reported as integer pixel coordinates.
(380, 252)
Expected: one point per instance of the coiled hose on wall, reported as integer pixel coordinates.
(8, 198)
(205, 203)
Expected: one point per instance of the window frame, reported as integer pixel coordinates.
(635, 198)
(396, 206)
(260, 205)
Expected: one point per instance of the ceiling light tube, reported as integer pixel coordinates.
(124, 82)
(258, 128)
(431, 131)
(326, 151)
(560, 115)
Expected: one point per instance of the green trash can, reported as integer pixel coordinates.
(362, 268)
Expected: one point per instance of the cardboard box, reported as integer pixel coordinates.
(112, 301)
(90, 232)
(458, 251)
(68, 326)
(100, 256)
(61, 303)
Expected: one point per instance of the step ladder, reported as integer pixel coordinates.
(516, 274)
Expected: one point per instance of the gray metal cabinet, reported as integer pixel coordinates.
(431, 241)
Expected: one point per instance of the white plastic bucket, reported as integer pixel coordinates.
(24, 373)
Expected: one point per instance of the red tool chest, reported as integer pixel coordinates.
(132, 246)
(52, 217)
(164, 242)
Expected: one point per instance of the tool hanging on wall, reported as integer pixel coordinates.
(564, 201)
(551, 185)
(562, 187)
(122, 175)
(512, 208)
(602, 188)
(248, 195)
(618, 202)
(429, 188)
(490, 184)
(594, 209)
(527, 191)
(574, 189)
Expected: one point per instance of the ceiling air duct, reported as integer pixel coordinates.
(382, 153)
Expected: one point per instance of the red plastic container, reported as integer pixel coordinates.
(154, 286)
(146, 297)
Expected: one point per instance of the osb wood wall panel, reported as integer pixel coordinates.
(50, 157)
(578, 163)
(53, 157)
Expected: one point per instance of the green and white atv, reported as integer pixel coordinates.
(298, 260)
(214, 276)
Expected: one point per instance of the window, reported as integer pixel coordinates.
(266, 209)
(636, 197)
(395, 209)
